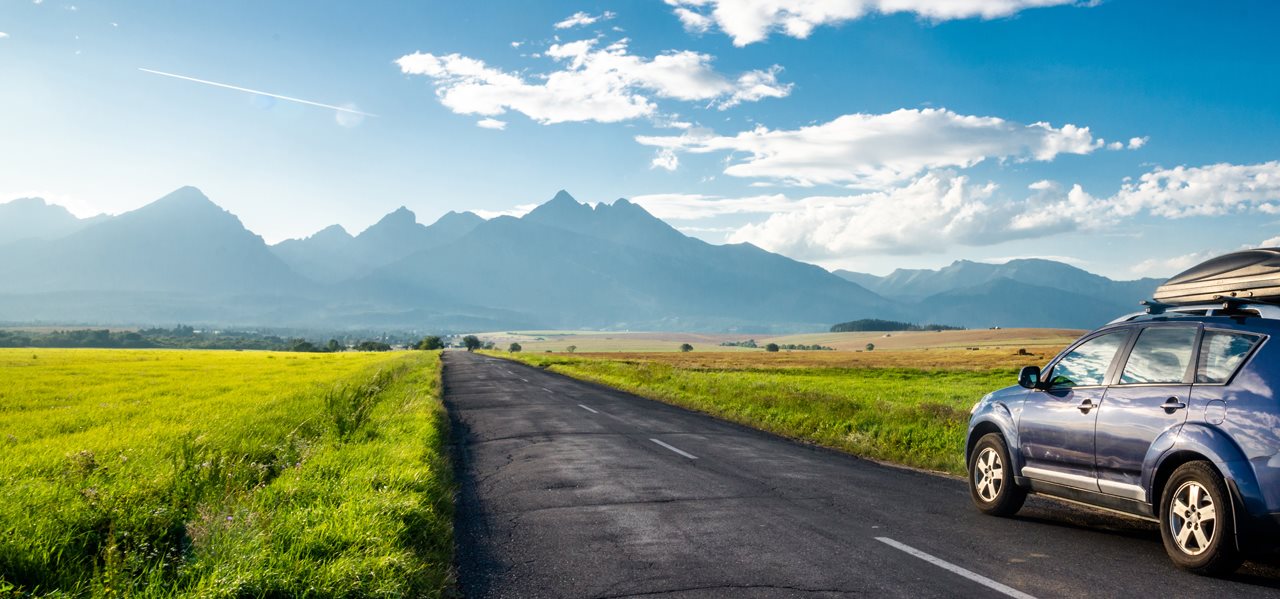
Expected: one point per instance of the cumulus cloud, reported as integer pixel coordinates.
(491, 124)
(665, 159)
(693, 206)
(750, 21)
(581, 19)
(941, 209)
(1210, 190)
(603, 84)
(1167, 267)
(1270, 243)
(1137, 142)
(876, 151)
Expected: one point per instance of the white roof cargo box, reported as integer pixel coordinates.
(1252, 275)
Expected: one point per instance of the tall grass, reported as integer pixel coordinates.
(157, 473)
(910, 416)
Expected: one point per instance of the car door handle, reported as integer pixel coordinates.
(1085, 406)
(1172, 405)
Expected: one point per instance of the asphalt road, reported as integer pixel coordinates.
(569, 489)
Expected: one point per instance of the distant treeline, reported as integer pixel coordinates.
(751, 343)
(875, 324)
(181, 337)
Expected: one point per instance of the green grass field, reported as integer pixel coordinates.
(202, 473)
(911, 416)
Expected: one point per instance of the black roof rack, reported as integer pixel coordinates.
(1224, 306)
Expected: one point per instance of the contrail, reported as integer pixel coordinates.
(260, 93)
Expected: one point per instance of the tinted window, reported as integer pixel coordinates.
(1161, 355)
(1221, 354)
(1087, 364)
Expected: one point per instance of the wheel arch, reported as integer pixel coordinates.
(1197, 442)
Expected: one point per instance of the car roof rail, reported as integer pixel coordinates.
(1225, 306)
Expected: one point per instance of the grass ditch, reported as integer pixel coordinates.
(226, 474)
(910, 416)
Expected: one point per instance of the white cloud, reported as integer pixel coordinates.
(692, 206)
(941, 209)
(750, 21)
(491, 124)
(516, 44)
(665, 159)
(1211, 190)
(693, 21)
(1137, 142)
(518, 211)
(1167, 267)
(580, 19)
(1270, 243)
(594, 84)
(944, 209)
(3, 35)
(876, 151)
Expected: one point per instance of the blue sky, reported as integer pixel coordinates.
(1131, 138)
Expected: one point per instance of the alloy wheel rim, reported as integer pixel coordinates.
(988, 474)
(1193, 518)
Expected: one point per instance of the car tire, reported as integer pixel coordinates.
(1197, 521)
(991, 483)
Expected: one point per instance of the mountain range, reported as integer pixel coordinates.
(565, 264)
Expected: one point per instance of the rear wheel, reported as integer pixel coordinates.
(991, 478)
(1197, 521)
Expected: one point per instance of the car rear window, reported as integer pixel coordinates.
(1221, 353)
(1161, 355)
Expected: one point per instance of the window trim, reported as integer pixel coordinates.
(1111, 368)
(1188, 374)
(1262, 340)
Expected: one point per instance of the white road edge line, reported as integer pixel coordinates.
(681, 452)
(588, 409)
(524, 379)
(950, 567)
(547, 390)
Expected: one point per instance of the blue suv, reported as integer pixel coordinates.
(1172, 415)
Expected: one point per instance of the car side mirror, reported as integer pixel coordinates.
(1029, 377)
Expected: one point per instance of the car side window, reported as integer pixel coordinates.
(1161, 355)
(1087, 364)
(1221, 353)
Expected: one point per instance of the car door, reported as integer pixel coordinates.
(1056, 426)
(1148, 399)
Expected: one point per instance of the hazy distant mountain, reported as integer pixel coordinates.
(563, 265)
(33, 218)
(917, 284)
(333, 255)
(569, 264)
(1007, 303)
(971, 280)
(180, 244)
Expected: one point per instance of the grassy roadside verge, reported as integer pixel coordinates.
(223, 474)
(914, 417)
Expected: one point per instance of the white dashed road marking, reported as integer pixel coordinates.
(681, 452)
(588, 409)
(950, 567)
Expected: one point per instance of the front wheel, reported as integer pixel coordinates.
(1197, 521)
(991, 478)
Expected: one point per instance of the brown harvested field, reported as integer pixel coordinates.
(927, 359)
(995, 342)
